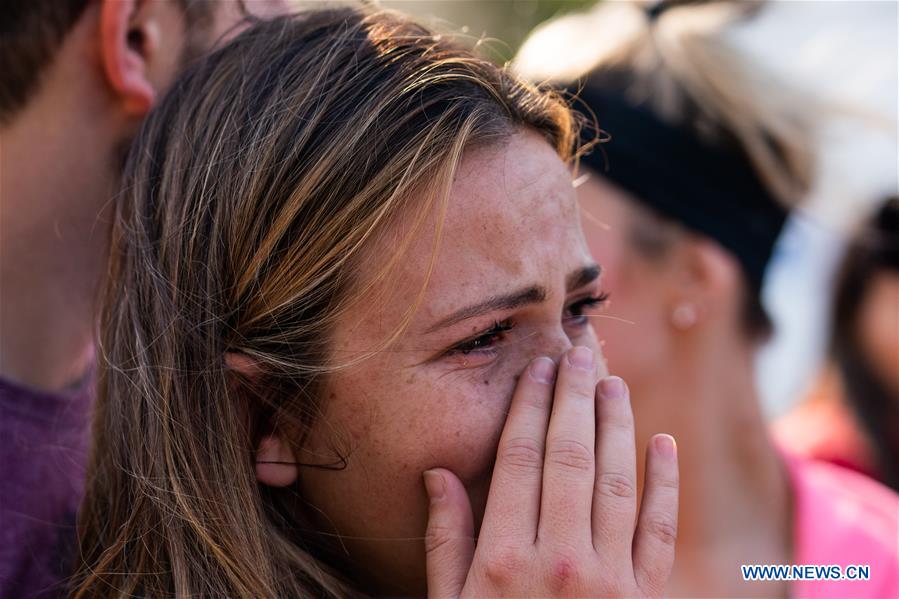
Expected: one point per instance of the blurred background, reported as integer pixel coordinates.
(845, 52)
(503, 23)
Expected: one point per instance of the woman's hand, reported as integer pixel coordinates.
(561, 513)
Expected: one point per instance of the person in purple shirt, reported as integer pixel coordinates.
(78, 76)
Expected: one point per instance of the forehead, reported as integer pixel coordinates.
(509, 204)
(511, 221)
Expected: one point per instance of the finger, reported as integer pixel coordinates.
(653, 551)
(615, 495)
(569, 466)
(513, 504)
(449, 540)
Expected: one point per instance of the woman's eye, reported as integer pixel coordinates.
(484, 342)
(574, 314)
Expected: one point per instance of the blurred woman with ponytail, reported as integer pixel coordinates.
(704, 158)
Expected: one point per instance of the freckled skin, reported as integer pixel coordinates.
(511, 222)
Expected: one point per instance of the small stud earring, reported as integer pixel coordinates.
(684, 316)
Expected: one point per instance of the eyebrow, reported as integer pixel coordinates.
(582, 276)
(529, 295)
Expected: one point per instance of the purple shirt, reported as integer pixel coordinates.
(43, 452)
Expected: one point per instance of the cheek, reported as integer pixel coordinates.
(398, 427)
(395, 428)
(632, 328)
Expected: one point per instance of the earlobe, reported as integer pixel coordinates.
(125, 63)
(275, 463)
(705, 273)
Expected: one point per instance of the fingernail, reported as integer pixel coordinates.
(581, 357)
(611, 387)
(435, 485)
(542, 370)
(665, 445)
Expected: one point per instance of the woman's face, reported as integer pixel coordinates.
(878, 328)
(511, 281)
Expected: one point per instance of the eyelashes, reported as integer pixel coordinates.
(574, 314)
(485, 343)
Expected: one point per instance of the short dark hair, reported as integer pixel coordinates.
(31, 32)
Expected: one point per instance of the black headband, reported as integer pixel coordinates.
(709, 189)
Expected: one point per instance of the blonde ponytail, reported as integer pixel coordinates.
(681, 65)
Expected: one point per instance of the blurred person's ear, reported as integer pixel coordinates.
(276, 464)
(140, 46)
(704, 283)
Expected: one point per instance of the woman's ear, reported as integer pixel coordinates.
(705, 276)
(276, 464)
(242, 364)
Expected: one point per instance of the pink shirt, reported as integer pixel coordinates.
(822, 427)
(844, 518)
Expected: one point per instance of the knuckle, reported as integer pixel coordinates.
(437, 538)
(581, 388)
(666, 479)
(534, 396)
(566, 571)
(662, 529)
(650, 584)
(615, 484)
(670, 483)
(565, 574)
(571, 455)
(504, 566)
(617, 423)
(521, 455)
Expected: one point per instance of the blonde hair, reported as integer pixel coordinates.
(680, 63)
(249, 200)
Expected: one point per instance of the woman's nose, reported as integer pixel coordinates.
(554, 345)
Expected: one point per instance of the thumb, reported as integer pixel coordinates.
(449, 541)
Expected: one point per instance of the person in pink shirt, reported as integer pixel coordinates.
(845, 518)
(683, 205)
